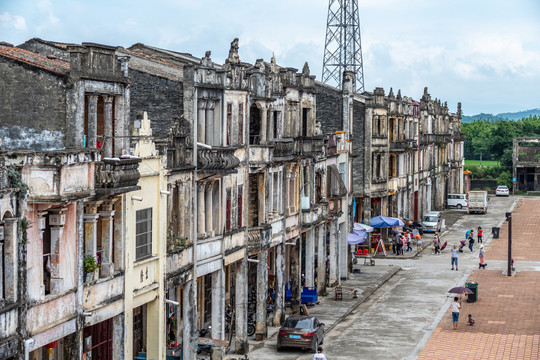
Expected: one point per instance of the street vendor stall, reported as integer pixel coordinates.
(383, 222)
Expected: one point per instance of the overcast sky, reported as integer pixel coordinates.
(484, 53)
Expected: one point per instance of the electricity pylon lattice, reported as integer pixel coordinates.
(342, 48)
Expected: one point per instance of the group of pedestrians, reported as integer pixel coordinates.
(403, 241)
(469, 237)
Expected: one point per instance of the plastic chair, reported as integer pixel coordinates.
(365, 252)
(359, 252)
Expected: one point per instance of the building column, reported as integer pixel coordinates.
(118, 229)
(280, 286)
(344, 253)
(108, 137)
(107, 264)
(118, 336)
(91, 138)
(42, 220)
(208, 214)
(189, 310)
(264, 133)
(57, 219)
(295, 277)
(119, 126)
(310, 258)
(321, 260)
(11, 259)
(333, 277)
(218, 305)
(90, 230)
(201, 216)
(240, 340)
(201, 123)
(209, 125)
(262, 292)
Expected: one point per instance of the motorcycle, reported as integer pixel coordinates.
(204, 348)
(251, 325)
(413, 224)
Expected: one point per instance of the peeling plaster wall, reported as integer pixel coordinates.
(33, 108)
(41, 317)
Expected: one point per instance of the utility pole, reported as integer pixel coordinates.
(509, 219)
(342, 47)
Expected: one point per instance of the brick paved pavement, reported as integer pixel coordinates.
(508, 308)
(525, 234)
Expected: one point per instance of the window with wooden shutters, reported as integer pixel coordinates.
(228, 211)
(229, 123)
(240, 204)
(240, 123)
(143, 236)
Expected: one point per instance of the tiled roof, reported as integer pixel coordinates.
(33, 59)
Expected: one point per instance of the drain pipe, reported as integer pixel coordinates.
(27, 344)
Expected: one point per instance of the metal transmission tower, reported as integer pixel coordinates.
(342, 48)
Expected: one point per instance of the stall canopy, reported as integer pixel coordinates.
(359, 233)
(385, 222)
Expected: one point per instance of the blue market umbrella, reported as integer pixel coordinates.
(386, 222)
(356, 237)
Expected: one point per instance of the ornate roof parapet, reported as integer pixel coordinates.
(233, 58)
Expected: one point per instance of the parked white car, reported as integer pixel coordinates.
(502, 191)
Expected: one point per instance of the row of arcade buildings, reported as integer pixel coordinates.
(144, 192)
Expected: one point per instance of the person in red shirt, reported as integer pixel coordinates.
(480, 233)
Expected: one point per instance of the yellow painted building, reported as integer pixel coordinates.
(146, 211)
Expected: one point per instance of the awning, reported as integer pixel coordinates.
(385, 222)
(336, 187)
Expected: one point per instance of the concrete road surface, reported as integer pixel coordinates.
(398, 319)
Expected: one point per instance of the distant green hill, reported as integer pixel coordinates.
(502, 116)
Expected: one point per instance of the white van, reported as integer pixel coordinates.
(432, 221)
(456, 200)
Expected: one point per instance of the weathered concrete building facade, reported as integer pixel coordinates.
(196, 187)
(407, 157)
(65, 143)
(526, 169)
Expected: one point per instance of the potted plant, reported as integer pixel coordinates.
(90, 265)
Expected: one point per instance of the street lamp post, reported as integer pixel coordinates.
(509, 219)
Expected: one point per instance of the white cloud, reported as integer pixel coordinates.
(12, 21)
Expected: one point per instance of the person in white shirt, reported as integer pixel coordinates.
(455, 312)
(319, 355)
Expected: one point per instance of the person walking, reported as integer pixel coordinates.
(437, 243)
(319, 355)
(418, 242)
(402, 242)
(455, 257)
(455, 312)
(397, 243)
(471, 240)
(480, 234)
(481, 256)
(409, 239)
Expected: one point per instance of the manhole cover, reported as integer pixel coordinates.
(506, 296)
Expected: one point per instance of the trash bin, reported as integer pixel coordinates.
(474, 288)
(495, 232)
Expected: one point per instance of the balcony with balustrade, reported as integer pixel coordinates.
(117, 175)
(217, 160)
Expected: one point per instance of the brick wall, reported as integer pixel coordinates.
(161, 98)
(329, 109)
(359, 147)
(32, 108)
